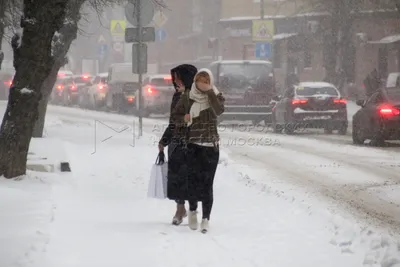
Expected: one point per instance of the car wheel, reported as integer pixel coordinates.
(290, 128)
(343, 129)
(357, 135)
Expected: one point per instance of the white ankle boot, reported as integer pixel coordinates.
(204, 226)
(193, 224)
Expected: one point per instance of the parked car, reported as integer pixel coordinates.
(248, 87)
(95, 95)
(379, 117)
(157, 93)
(310, 105)
(65, 92)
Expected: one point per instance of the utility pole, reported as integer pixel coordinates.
(139, 22)
(262, 9)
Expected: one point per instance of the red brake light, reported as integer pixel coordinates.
(85, 77)
(9, 83)
(61, 74)
(60, 87)
(150, 90)
(340, 101)
(101, 87)
(73, 87)
(130, 99)
(299, 101)
(168, 78)
(388, 111)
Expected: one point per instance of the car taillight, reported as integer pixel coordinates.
(130, 99)
(168, 78)
(100, 87)
(388, 111)
(150, 90)
(340, 101)
(8, 83)
(60, 87)
(299, 101)
(73, 88)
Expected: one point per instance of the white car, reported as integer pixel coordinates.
(97, 91)
(157, 94)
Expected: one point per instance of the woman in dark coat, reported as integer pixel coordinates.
(198, 110)
(182, 78)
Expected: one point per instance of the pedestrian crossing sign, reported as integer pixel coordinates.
(263, 30)
(118, 27)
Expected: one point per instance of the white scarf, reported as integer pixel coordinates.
(200, 103)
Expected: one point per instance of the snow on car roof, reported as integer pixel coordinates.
(103, 74)
(316, 84)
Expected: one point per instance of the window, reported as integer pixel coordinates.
(393, 94)
(309, 91)
(242, 74)
(161, 82)
(373, 99)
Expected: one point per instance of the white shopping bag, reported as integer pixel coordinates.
(158, 179)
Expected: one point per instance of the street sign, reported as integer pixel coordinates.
(146, 10)
(263, 50)
(263, 30)
(132, 35)
(102, 50)
(101, 39)
(161, 34)
(118, 27)
(139, 63)
(118, 47)
(160, 19)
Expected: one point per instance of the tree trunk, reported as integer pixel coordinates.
(61, 45)
(46, 89)
(33, 62)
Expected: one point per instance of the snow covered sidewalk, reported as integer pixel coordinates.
(99, 215)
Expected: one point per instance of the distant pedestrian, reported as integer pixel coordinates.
(199, 110)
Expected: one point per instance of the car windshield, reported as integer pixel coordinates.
(310, 91)
(161, 82)
(393, 94)
(81, 80)
(245, 71)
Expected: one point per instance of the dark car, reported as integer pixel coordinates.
(65, 91)
(379, 117)
(310, 105)
(248, 87)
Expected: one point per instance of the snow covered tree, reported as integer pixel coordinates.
(33, 61)
(61, 44)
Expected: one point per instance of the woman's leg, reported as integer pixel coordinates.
(210, 167)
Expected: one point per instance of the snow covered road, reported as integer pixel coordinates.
(281, 201)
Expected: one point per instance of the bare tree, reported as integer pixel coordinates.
(61, 44)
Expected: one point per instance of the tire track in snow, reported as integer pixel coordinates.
(353, 197)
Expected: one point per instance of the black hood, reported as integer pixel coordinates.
(186, 73)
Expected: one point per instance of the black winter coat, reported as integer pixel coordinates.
(186, 73)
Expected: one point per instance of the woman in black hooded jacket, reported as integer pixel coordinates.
(182, 78)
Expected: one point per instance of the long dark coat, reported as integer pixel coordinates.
(177, 169)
